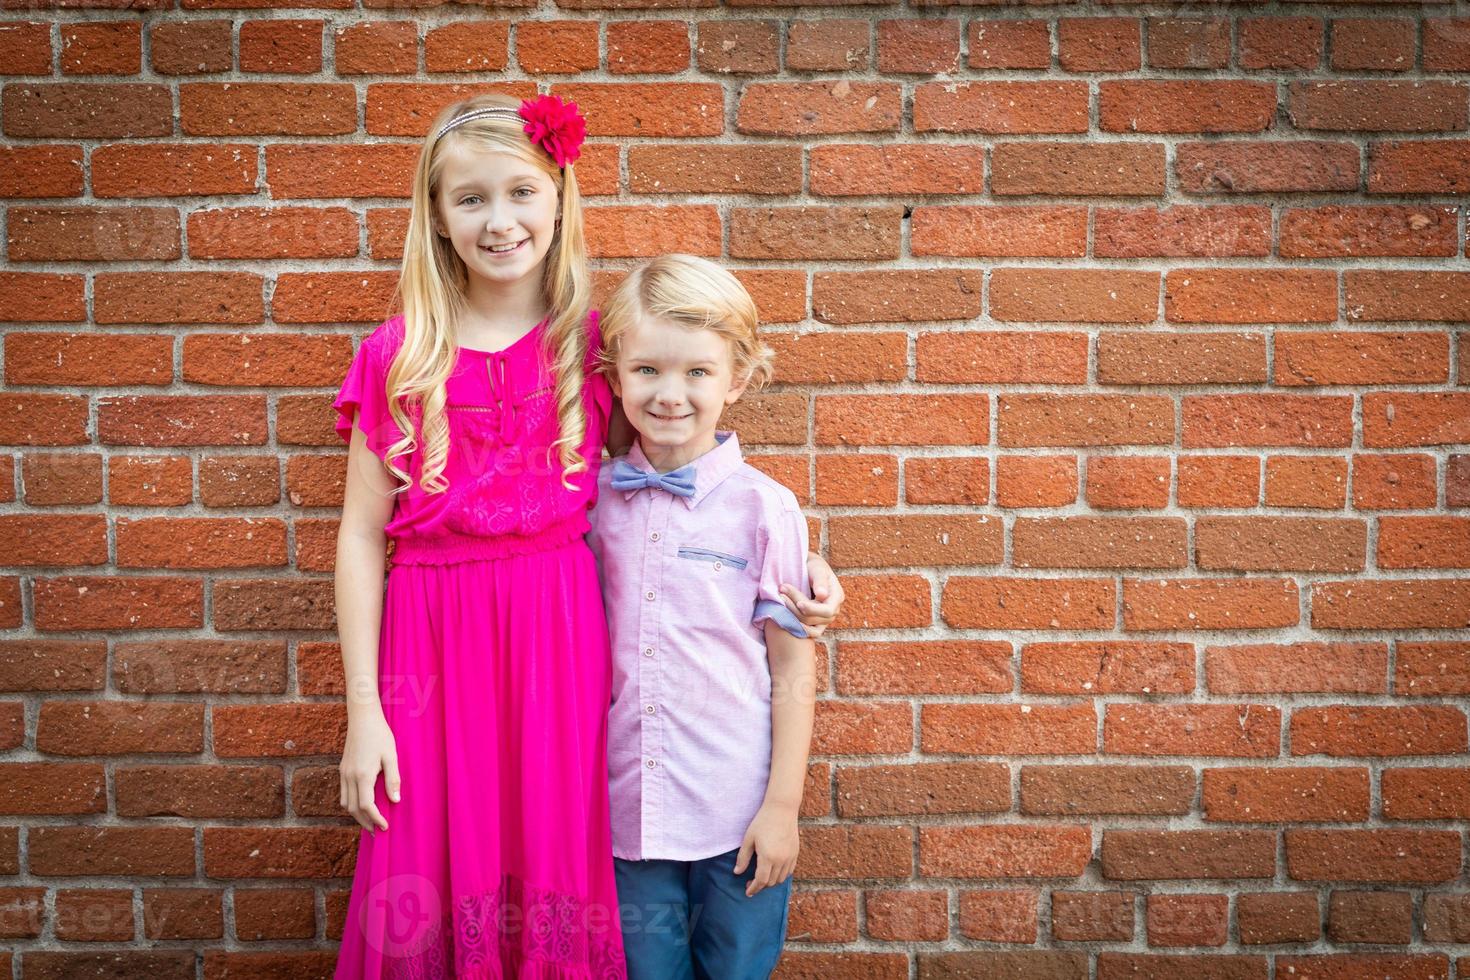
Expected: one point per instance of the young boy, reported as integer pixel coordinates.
(713, 676)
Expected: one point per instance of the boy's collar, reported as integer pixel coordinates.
(710, 468)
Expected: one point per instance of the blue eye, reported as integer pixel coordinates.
(472, 197)
(645, 368)
(699, 371)
(528, 190)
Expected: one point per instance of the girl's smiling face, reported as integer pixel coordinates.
(674, 382)
(498, 211)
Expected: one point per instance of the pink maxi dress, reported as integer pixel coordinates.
(494, 674)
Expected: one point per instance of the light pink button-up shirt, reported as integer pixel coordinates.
(689, 583)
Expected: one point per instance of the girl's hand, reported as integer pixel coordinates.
(825, 602)
(369, 749)
(773, 836)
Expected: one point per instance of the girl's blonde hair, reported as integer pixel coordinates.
(695, 293)
(432, 291)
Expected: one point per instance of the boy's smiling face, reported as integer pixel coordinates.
(674, 382)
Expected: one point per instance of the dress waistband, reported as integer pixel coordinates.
(449, 548)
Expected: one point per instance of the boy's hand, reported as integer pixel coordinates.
(825, 602)
(773, 836)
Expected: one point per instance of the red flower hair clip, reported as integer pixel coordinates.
(555, 126)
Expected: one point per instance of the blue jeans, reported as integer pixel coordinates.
(691, 919)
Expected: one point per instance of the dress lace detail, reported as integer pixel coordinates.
(517, 930)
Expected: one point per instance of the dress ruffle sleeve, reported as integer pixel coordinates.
(364, 393)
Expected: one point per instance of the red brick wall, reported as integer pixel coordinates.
(1123, 379)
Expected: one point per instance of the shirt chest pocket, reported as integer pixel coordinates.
(717, 561)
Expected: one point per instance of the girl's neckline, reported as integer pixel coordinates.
(513, 344)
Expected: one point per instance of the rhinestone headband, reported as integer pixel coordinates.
(555, 126)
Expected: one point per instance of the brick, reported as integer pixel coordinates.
(1416, 419)
(842, 852)
(1419, 167)
(1000, 107)
(279, 852)
(1009, 44)
(1134, 855)
(118, 603)
(1074, 295)
(1078, 169)
(1187, 920)
(1372, 855)
(1001, 357)
(266, 604)
(1099, 542)
(1250, 296)
(1152, 358)
(1000, 851)
(1212, 604)
(1446, 43)
(738, 47)
(1376, 44)
(1278, 917)
(269, 233)
(193, 666)
(1244, 730)
(1374, 106)
(1353, 358)
(1402, 481)
(119, 728)
(182, 420)
(58, 478)
(866, 480)
(1298, 668)
(1393, 295)
(1219, 481)
(1182, 230)
(817, 108)
(274, 913)
(150, 481)
(1266, 167)
(1457, 480)
(1338, 231)
(266, 109)
(41, 171)
(1391, 604)
(918, 47)
(1035, 481)
(1423, 542)
(94, 914)
(886, 601)
(915, 916)
(95, 850)
(240, 481)
(947, 480)
(902, 420)
(896, 296)
(834, 44)
(1092, 916)
(183, 913)
(639, 232)
(387, 47)
(41, 297)
(924, 667)
(678, 169)
(202, 543)
(998, 231)
(1370, 917)
(1099, 43)
(183, 297)
(1016, 603)
(1432, 669)
(1250, 794)
(1154, 106)
(87, 110)
(1306, 481)
(552, 46)
(1378, 731)
(57, 665)
(823, 916)
(89, 234)
(281, 46)
(647, 109)
(1265, 544)
(1426, 793)
(52, 789)
(838, 357)
(1281, 43)
(1085, 420)
(647, 47)
(923, 788)
(999, 915)
(26, 47)
(1267, 420)
(1093, 788)
(891, 540)
(1127, 483)
(173, 170)
(1184, 43)
(1008, 729)
(200, 791)
(1107, 667)
(815, 233)
(843, 169)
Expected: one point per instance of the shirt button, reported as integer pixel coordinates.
(651, 763)
(648, 595)
(653, 536)
(719, 564)
(648, 651)
(648, 708)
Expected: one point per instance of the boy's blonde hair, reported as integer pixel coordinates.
(432, 291)
(695, 293)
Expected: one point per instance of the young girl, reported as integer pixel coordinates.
(478, 679)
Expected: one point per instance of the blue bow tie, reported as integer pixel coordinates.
(626, 476)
